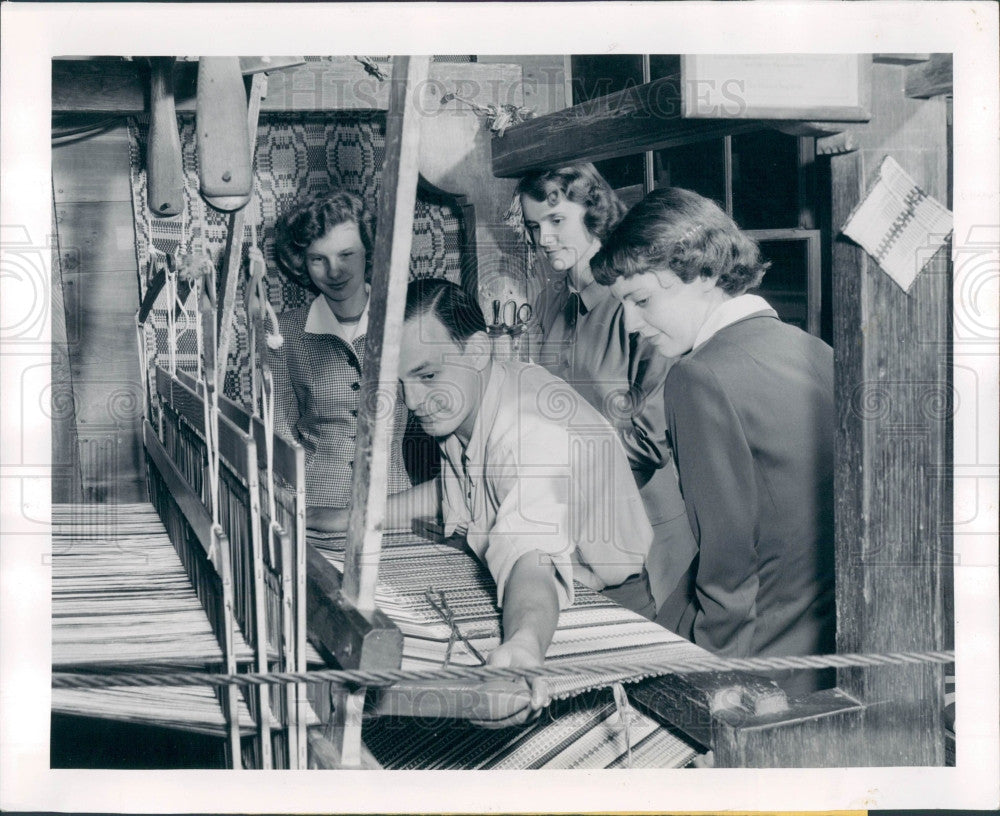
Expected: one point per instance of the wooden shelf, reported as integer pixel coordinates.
(684, 107)
(644, 117)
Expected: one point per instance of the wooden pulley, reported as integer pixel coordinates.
(223, 133)
(164, 169)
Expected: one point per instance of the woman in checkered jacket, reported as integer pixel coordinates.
(325, 244)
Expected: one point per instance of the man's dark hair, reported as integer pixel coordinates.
(449, 303)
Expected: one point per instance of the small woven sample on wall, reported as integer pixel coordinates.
(898, 224)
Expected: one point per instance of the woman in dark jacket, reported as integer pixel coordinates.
(750, 416)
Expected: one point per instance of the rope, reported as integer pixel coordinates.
(140, 337)
(251, 294)
(626, 714)
(258, 304)
(170, 284)
(389, 677)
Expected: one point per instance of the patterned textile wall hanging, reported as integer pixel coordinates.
(296, 155)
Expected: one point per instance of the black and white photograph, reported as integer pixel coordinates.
(614, 406)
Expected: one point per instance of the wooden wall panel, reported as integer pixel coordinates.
(545, 79)
(97, 236)
(99, 294)
(106, 177)
(893, 512)
(66, 478)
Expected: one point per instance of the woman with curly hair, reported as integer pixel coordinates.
(325, 245)
(750, 415)
(580, 336)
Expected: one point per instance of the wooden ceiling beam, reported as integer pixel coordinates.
(338, 84)
(930, 78)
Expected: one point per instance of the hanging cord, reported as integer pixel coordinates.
(170, 285)
(252, 305)
(170, 265)
(258, 306)
(200, 271)
(258, 269)
(626, 715)
(259, 310)
(140, 338)
(198, 333)
(207, 308)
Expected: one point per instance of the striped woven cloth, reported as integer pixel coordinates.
(585, 731)
(121, 598)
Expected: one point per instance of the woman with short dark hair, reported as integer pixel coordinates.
(580, 336)
(750, 414)
(324, 244)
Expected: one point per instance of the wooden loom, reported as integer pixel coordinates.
(243, 566)
(876, 716)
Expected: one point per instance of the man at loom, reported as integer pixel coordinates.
(532, 474)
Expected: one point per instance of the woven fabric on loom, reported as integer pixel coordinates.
(121, 598)
(296, 155)
(585, 733)
(593, 630)
(581, 731)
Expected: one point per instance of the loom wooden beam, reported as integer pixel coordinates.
(494, 703)
(930, 78)
(691, 702)
(379, 372)
(356, 639)
(388, 296)
(748, 722)
(900, 59)
(233, 253)
(825, 729)
(893, 478)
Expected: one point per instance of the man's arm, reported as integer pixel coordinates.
(402, 509)
(530, 615)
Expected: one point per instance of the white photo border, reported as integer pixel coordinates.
(34, 33)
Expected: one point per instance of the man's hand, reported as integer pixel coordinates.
(515, 702)
(522, 651)
(327, 519)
